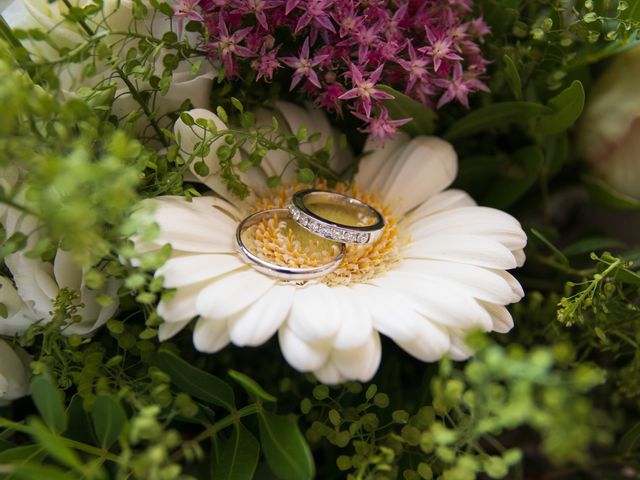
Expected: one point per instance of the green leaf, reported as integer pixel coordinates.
(497, 115)
(32, 471)
(588, 245)
(516, 179)
(251, 386)
(54, 444)
(630, 441)
(402, 106)
(195, 382)
(305, 175)
(627, 276)
(607, 196)
(108, 419)
(567, 107)
(513, 77)
(24, 454)
(48, 401)
(239, 456)
(557, 253)
(285, 448)
(79, 427)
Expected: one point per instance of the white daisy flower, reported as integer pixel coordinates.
(438, 271)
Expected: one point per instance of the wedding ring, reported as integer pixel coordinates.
(350, 221)
(273, 269)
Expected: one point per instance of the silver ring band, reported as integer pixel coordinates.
(338, 232)
(273, 269)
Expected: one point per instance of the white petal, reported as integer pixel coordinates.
(520, 256)
(209, 335)
(168, 330)
(66, 272)
(378, 158)
(263, 318)
(188, 269)
(481, 283)
(301, 355)
(359, 363)
(182, 306)
(445, 305)
(232, 293)
(19, 315)
(315, 313)
(459, 349)
(424, 168)
(469, 249)
(192, 227)
(500, 316)
(487, 222)
(430, 343)
(355, 327)
(391, 313)
(447, 200)
(329, 374)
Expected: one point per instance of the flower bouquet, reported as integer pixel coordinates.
(296, 239)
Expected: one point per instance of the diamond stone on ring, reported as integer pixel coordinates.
(273, 269)
(336, 217)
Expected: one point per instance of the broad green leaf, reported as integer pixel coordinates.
(557, 253)
(630, 441)
(557, 153)
(109, 419)
(567, 106)
(285, 448)
(497, 115)
(629, 276)
(33, 471)
(24, 454)
(195, 382)
(633, 12)
(402, 106)
(513, 77)
(251, 386)
(239, 456)
(515, 179)
(54, 445)
(48, 401)
(607, 196)
(593, 244)
(79, 427)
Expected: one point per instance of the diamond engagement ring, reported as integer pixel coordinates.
(336, 217)
(273, 269)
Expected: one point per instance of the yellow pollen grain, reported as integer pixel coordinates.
(285, 243)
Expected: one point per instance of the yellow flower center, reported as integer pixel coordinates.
(284, 242)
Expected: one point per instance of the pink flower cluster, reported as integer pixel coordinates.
(339, 51)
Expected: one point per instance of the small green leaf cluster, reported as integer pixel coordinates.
(458, 435)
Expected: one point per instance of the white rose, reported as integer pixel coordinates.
(14, 373)
(48, 17)
(608, 136)
(38, 283)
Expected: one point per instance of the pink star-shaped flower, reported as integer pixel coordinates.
(364, 88)
(303, 66)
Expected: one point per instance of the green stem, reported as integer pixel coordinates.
(7, 33)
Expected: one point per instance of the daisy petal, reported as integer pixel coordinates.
(66, 272)
(185, 270)
(502, 320)
(481, 283)
(425, 167)
(359, 363)
(232, 293)
(329, 374)
(443, 201)
(467, 249)
(168, 330)
(390, 312)
(262, 319)
(459, 349)
(315, 314)
(429, 343)
(356, 321)
(375, 167)
(182, 306)
(301, 355)
(210, 336)
(190, 227)
(444, 304)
